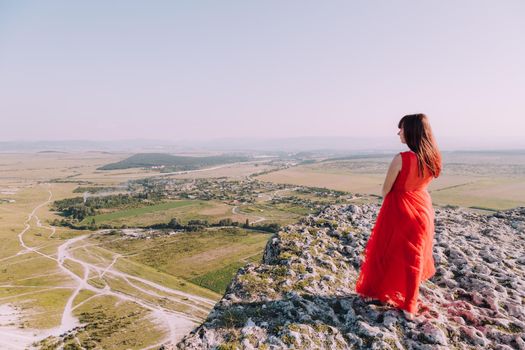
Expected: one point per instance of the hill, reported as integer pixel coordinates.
(173, 163)
(302, 295)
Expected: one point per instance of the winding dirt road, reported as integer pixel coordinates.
(175, 323)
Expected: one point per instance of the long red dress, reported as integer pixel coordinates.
(398, 254)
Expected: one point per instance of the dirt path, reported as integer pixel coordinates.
(176, 323)
(235, 210)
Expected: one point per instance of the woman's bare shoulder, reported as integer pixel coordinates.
(397, 161)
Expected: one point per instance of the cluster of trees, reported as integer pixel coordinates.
(322, 191)
(79, 208)
(91, 225)
(93, 189)
(271, 227)
(195, 225)
(175, 224)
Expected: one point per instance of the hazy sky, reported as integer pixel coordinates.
(107, 70)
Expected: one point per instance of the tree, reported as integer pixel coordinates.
(225, 222)
(173, 223)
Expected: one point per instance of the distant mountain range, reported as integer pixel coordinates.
(295, 144)
(291, 144)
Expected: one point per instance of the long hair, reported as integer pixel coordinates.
(420, 140)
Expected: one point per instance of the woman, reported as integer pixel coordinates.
(398, 255)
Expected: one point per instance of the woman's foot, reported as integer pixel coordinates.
(409, 316)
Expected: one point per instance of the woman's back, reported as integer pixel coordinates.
(408, 178)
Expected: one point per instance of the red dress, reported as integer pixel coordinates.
(398, 254)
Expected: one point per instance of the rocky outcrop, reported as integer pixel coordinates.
(302, 295)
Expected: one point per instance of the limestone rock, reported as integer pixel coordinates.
(302, 294)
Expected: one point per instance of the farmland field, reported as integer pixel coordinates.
(491, 181)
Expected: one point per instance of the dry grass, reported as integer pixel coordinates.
(452, 187)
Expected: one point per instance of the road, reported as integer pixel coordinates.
(235, 210)
(176, 324)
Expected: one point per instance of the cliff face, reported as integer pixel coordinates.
(302, 295)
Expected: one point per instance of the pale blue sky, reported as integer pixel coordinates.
(174, 70)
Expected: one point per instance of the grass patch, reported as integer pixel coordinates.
(44, 307)
(174, 282)
(83, 295)
(111, 324)
(218, 280)
(103, 218)
(208, 258)
(282, 213)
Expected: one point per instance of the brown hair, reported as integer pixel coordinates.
(420, 140)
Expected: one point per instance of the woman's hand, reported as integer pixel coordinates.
(391, 175)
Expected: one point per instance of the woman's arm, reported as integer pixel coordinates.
(391, 175)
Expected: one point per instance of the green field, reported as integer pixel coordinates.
(282, 213)
(121, 214)
(209, 258)
(218, 280)
(183, 210)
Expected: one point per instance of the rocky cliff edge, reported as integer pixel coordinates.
(302, 295)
